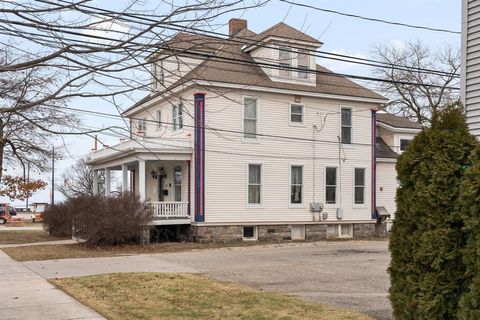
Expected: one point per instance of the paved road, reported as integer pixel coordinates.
(26, 295)
(350, 274)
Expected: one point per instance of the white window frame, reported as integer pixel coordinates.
(350, 231)
(176, 185)
(337, 189)
(399, 140)
(158, 116)
(365, 200)
(306, 53)
(255, 233)
(142, 125)
(257, 126)
(283, 64)
(262, 183)
(290, 204)
(158, 74)
(296, 124)
(177, 117)
(352, 126)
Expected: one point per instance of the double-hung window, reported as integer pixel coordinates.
(158, 74)
(359, 186)
(159, 119)
(303, 64)
(177, 183)
(254, 184)
(177, 113)
(404, 143)
(142, 125)
(284, 61)
(331, 185)
(346, 125)
(296, 114)
(250, 118)
(296, 184)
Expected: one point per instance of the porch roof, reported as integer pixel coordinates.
(147, 149)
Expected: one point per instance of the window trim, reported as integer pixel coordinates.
(158, 118)
(350, 233)
(175, 117)
(143, 127)
(285, 64)
(255, 233)
(365, 194)
(290, 204)
(257, 126)
(247, 184)
(352, 126)
(398, 142)
(175, 184)
(337, 195)
(299, 66)
(296, 124)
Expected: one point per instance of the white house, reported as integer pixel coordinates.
(248, 138)
(470, 64)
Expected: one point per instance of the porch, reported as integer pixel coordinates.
(159, 175)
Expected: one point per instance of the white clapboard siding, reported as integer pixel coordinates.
(471, 62)
(386, 186)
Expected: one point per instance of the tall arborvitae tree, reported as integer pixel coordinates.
(426, 270)
(470, 213)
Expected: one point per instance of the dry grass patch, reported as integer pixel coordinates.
(186, 296)
(27, 236)
(68, 251)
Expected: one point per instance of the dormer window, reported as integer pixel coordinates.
(158, 74)
(285, 61)
(303, 64)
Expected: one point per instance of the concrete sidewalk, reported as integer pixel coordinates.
(68, 241)
(26, 295)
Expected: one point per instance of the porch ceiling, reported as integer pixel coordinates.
(131, 151)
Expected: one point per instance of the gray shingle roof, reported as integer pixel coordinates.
(397, 122)
(382, 150)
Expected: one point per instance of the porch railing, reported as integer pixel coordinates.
(169, 209)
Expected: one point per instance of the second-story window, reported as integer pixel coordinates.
(284, 61)
(404, 143)
(142, 125)
(177, 117)
(250, 118)
(296, 114)
(159, 119)
(346, 125)
(303, 64)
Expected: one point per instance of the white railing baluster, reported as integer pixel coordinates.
(169, 209)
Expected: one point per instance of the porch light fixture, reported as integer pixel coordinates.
(158, 173)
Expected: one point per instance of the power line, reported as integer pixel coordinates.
(371, 19)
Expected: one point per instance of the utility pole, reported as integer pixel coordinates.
(53, 175)
(28, 180)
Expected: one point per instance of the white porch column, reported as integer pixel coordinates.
(107, 181)
(124, 178)
(95, 182)
(141, 179)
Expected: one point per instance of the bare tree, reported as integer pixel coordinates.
(421, 82)
(78, 181)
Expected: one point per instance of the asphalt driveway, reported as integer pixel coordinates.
(350, 274)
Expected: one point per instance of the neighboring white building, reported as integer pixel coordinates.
(394, 133)
(238, 139)
(470, 64)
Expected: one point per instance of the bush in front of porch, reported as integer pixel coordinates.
(100, 220)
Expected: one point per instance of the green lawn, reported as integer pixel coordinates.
(186, 296)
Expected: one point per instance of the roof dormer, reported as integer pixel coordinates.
(285, 54)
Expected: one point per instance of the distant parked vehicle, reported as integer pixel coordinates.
(6, 212)
(38, 208)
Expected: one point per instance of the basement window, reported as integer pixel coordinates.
(250, 233)
(345, 230)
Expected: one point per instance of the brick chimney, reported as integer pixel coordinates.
(236, 25)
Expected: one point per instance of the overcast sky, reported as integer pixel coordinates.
(339, 34)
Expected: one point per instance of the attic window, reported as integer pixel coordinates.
(284, 61)
(303, 64)
(158, 74)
